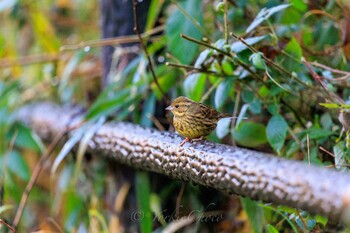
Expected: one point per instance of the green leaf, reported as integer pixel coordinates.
(247, 96)
(76, 136)
(25, 138)
(94, 213)
(166, 81)
(276, 132)
(148, 110)
(265, 14)
(107, 105)
(299, 5)
(223, 127)
(153, 13)
(65, 90)
(311, 223)
(264, 91)
(255, 106)
(202, 58)
(18, 166)
(300, 223)
(294, 49)
(273, 109)
(72, 208)
(255, 214)
(156, 207)
(44, 31)
(321, 219)
(291, 16)
(177, 24)
(238, 46)
(317, 133)
(326, 121)
(257, 60)
(222, 92)
(250, 134)
(334, 105)
(341, 152)
(143, 195)
(271, 229)
(194, 86)
(283, 215)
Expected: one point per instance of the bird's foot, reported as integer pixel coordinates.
(191, 140)
(184, 141)
(197, 139)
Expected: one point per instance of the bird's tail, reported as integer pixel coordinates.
(227, 115)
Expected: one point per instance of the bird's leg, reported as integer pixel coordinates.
(184, 141)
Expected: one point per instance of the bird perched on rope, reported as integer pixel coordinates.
(194, 120)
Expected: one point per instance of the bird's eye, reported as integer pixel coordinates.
(176, 106)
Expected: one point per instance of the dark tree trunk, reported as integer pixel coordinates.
(117, 20)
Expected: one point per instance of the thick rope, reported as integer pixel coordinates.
(229, 169)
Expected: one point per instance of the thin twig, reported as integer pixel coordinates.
(178, 200)
(328, 68)
(13, 229)
(330, 94)
(245, 66)
(338, 79)
(113, 40)
(28, 60)
(235, 111)
(211, 89)
(188, 67)
(302, 220)
(326, 151)
(143, 46)
(43, 58)
(192, 68)
(269, 61)
(35, 176)
(225, 21)
(205, 44)
(156, 122)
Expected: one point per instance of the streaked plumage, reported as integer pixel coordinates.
(194, 120)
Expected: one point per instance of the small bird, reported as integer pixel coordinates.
(194, 120)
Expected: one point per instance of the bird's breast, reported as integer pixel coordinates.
(192, 127)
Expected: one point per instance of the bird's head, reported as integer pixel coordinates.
(179, 106)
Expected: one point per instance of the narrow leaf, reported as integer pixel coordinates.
(265, 14)
(194, 86)
(340, 152)
(276, 132)
(223, 127)
(143, 194)
(250, 134)
(238, 46)
(178, 24)
(222, 92)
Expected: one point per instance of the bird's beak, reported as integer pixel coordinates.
(169, 108)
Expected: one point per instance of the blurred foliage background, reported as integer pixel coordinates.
(50, 50)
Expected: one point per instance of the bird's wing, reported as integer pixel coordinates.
(204, 111)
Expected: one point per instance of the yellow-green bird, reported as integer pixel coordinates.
(194, 120)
